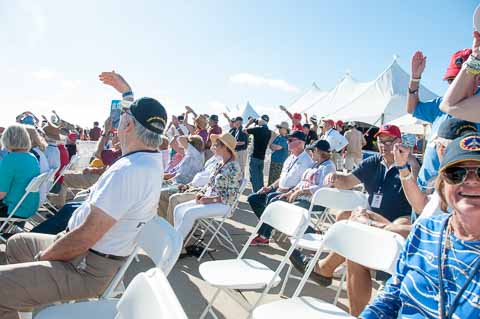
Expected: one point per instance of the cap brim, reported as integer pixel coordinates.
(463, 158)
(451, 73)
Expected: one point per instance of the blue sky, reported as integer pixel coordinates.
(208, 54)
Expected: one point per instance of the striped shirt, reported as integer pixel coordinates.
(413, 291)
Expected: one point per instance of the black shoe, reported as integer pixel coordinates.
(300, 262)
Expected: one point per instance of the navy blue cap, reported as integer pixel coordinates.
(238, 118)
(265, 117)
(214, 117)
(298, 134)
(150, 113)
(464, 148)
(453, 128)
(322, 145)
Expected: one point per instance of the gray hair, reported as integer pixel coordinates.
(442, 141)
(16, 137)
(147, 137)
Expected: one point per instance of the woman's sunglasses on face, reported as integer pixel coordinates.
(457, 174)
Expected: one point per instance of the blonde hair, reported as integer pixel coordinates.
(16, 138)
(36, 139)
(197, 142)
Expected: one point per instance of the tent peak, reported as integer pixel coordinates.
(396, 57)
(315, 86)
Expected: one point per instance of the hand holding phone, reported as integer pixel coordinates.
(115, 109)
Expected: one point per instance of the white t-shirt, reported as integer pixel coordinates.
(336, 140)
(129, 191)
(293, 169)
(201, 178)
(53, 156)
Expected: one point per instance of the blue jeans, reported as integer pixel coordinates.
(256, 173)
(58, 222)
(259, 202)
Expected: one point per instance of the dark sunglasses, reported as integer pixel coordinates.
(456, 175)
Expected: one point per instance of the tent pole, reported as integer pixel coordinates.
(382, 119)
(424, 144)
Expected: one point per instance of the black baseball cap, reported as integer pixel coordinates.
(322, 145)
(214, 117)
(265, 117)
(238, 118)
(452, 128)
(306, 125)
(180, 117)
(298, 135)
(463, 148)
(150, 113)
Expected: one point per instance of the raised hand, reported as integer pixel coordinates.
(115, 80)
(283, 108)
(189, 109)
(108, 125)
(418, 64)
(476, 44)
(400, 154)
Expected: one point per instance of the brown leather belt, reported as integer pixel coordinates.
(113, 257)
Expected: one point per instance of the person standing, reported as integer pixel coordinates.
(336, 140)
(279, 147)
(214, 129)
(242, 142)
(356, 141)
(310, 133)
(295, 117)
(261, 137)
(95, 132)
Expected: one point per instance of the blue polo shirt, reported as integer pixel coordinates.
(430, 112)
(373, 173)
(281, 155)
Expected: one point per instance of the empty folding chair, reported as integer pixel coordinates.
(232, 275)
(149, 296)
(32, 187)
(330, 198)
(158, 240)
(369, 246)
(214, 225)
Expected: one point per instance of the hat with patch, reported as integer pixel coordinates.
(464, 148)
(298, 135)
(150, 113)
(456, 61)
(389, 129)
(322, 145)
(452, 128)
(265, 118)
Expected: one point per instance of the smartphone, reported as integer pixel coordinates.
(115, 109)
(409, 140)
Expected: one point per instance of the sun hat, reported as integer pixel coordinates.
(52, 132)
(227, 139)
(283, 125)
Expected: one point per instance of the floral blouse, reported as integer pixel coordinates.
(224, 182)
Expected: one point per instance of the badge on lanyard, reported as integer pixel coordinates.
(377, 200)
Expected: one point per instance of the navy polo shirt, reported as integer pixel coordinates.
(371, 172)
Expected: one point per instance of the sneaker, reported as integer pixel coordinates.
(260, 241)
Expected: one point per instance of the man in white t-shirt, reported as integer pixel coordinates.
(101, 234)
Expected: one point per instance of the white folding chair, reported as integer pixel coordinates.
(149, 296)
(369, 246)
(214, 225)
(32, 187)
(158, 240)
(237, 274)
(330, 198)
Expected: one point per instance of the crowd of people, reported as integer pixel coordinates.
(186, 167)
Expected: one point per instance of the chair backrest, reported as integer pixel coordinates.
(369, 246)
(160, 242)
(340, 199)
(150, 296)
(285, 217)
(36, 182)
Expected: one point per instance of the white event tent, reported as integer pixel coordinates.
(249, 111)
(312, 95)
(376, 102)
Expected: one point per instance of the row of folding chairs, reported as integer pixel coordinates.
(372, 247)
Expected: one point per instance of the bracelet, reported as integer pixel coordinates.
(127, 94)
(410, 91)
(415, 79)
(404, 166)
(406, 178)
(472, 65)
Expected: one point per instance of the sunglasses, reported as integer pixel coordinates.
(455, 175)
(291, 140)
(387, 143)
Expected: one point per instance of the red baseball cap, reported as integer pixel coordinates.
(72, 137)
(330, 122)
(456, 61)
(339, 123)
(388, 129)
(297, 116)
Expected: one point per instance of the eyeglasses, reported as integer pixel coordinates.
(291, 140)
(455, 175)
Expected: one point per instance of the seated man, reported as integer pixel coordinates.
(192, 162)
(389, 209)
(185, 192)
(293, 168)
(80, 263)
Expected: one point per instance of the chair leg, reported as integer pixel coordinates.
(340, 288)
(211, 240)
(287, 276)
(210, 305)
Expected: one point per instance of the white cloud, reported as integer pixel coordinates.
(44, 74)
(259, 81)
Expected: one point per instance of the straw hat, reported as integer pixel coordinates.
(201, 121)
(52, 132)
(227, 139)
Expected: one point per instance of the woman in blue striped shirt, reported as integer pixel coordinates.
(438, 271)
